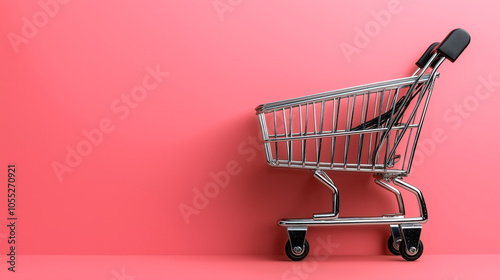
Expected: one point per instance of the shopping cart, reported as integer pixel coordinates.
(371, 128)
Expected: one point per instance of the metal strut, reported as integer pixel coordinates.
(323, 177)
(330, 219)
(397, 193)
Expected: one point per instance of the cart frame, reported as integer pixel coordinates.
(389, 127)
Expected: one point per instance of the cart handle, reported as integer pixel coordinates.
(454, 44)
(451, 47)
(427, 55)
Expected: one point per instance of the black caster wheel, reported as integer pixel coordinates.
(296, 256)
(411, 257)
(390, 245)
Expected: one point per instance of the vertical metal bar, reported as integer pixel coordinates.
(360, 144)
(388, 99)
(305, 140)
(366, 115)
(321, 130)
(290, 142)
(398, 132)
(402, 118)
(406, 149)
(350, 121)
(265, 137)
(385, 124)
(407, 143)
(378, 120)
(284, 124)
(407, 96)
(300, 119)
(335, 119)
(428, 85)
(346, 128)
(393, 107)
(388, 143)
(276, 138)
(387, 147)
(315, 130)
(431, 87)
(395, 100)
(333, 137)
(371, 134)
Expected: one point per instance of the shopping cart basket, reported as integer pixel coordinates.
(371, 128)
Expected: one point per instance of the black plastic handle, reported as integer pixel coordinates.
(454, 44)
(427, 55)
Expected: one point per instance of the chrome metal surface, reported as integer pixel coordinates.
(412, 153)
(397, 237)
(389, 219)
(397, 193)
(406, 101)
(420, 198)
(346, 130)
(321, 176)
(411, 237)
(370, 128)
(297, 237)
(297, 250)
(360, 221)
(373, 87)
(412, 250)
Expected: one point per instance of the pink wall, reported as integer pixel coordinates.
(99, 68)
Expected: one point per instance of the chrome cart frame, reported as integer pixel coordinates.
(371, 128)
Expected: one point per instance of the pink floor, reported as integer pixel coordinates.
(450, 267)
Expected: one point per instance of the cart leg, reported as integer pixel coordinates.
(323, 177)
(411, 247)
(297, 246)
(397, 193)
(420, 198)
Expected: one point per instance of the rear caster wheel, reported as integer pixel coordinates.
(390, 245)
(297, 253)
(412, 255)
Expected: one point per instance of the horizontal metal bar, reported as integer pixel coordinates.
(351, 221)
(338, 167)
(313, 135)
(391, 84)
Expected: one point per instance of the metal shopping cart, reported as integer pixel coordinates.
(370, 128)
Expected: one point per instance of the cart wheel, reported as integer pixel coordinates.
(412, 257)
(390, 245)
(296, 257)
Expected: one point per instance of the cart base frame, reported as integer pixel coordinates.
(405, 232)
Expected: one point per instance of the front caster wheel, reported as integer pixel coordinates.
(390, 245)
(297, 253)
(411, 256)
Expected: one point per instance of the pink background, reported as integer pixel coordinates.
(125, 196)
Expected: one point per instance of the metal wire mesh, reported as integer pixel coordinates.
(344, 129)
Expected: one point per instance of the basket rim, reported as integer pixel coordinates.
(373, 87)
